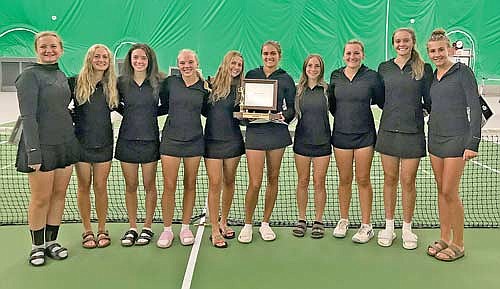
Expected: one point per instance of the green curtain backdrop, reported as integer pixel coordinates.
(212, 27)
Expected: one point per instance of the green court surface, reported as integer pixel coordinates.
(288, 262)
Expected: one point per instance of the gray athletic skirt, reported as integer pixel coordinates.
(183, 149)
(312, 151)
(447, 146)
(401, 145)
(272, 136)
(53, 156)
(137, 151)
(96, 155)
(218, 149)
(353, 140)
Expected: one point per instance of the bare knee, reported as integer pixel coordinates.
(131, 188)
(254, 186)
(450, 196)
(84, 187)
(303, 182)
(363, 182)
(215, 183)
(390, 179)
(272, 178)
(229, 181)
(100, 187)
(319, 185)
(345, 181)
(150, 186)
(39, 202)
(169, 186)
(214, 187)
(408, 184)
(190, 187)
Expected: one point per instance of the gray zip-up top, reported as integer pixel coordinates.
(92, 119)
(405, 97)
(221, 125)
(451, 96)
(44, 96)
(313, 127)
(184, 106)
(139, 108)
(350, 101)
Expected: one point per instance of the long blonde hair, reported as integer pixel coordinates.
(86, 82)
(417, 65)
(223, 79)
(301, 86)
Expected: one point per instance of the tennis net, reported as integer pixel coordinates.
(479, 189)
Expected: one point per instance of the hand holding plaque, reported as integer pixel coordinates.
(256, 97)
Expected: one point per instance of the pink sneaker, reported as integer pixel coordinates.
(186, 237)
(165, 240)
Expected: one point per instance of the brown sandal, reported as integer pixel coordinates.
(88, 241)
(437, 246)
(103, 239)
(452, 253)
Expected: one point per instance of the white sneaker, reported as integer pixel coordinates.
(245, 235)
(410, 240)
(364, 234)
(341, 229)
(385, 237)
(267, 233)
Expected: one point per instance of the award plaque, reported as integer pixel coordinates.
(256, 97)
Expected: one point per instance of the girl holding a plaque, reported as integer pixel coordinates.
(312, 142)
(454, 136)
(401, 139)
(353, 88)
(95, 95)
(138, 139)
(48, 147)
(184, 99)
(223, 144)
(266, 142)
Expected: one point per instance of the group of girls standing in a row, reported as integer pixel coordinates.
(403, 87)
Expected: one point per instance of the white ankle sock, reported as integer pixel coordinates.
(389, 224)
(247, 226)
(184, 227)
(407, 226)
(167, 229)
(33, 247)
(264, 224)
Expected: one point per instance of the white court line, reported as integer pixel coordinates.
(188, 275)
(3, 142)
(485, 166)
